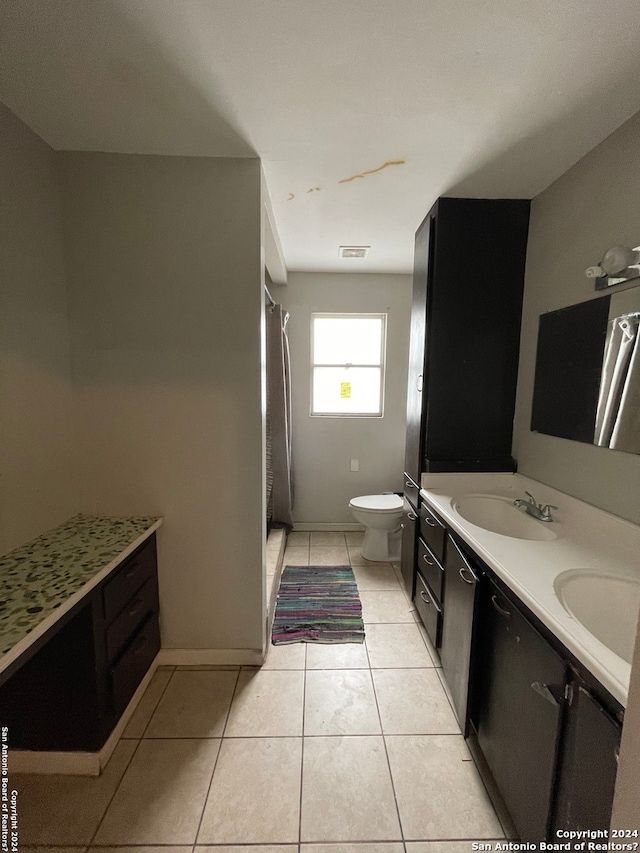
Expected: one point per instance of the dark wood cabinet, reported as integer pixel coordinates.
(519, 711)
(433, 532)
(429, 587)
(86, 672)
(548, 731)
(465, 335)
(468, 278)
(431, 569)
(589, 763)
(409, 544)
(415, 382)
(459, 628)
(429, 610)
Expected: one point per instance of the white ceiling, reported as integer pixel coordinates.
(466, 97)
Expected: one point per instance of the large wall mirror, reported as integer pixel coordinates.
(587, 380)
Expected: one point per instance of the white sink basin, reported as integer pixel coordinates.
(607, 605)
(498, 514)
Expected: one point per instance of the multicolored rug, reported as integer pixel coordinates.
(317, 604)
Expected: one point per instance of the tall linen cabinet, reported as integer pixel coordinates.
(465, 335)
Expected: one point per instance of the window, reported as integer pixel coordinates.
(347, 365)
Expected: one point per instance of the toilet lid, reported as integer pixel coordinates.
(378, 503)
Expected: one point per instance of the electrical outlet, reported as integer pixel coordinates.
(355, 465)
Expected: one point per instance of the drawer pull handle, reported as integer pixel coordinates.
(425, 597)
(616, 754)
(132, 570)
(500, 610)
(142, 642)
(429, 522)
(428, 562)
(465, 579)
(411, 516)
(137, 604)
(409, 485)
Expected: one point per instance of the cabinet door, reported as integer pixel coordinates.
(473, 333)
(589, 764)
(409, 546)
(413, 447)
(461, 587)
(519, 712)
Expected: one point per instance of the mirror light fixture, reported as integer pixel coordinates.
(618, 264)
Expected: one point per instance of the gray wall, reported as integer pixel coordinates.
(36, 409)
(163, 258)
(591, 207)
(324, 447)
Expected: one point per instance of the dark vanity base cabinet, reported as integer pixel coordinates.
(590, 763)
(549, 733)
(54, 702)
(72, 692)
(429, 592)
(458, 629)
(519, 712)
(409, 534)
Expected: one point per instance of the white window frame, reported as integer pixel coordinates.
(337, 315)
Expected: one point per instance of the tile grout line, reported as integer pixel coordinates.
(384, 743)
(304, 698)
(386, 752)
(129, 763)
(155, 707)
(215, 763)
(117, 788)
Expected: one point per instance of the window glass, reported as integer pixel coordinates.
(347, 340)
(347, 365)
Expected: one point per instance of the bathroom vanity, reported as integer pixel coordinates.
(535, 624)
(78, 632)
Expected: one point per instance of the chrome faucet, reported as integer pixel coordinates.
(542, 513)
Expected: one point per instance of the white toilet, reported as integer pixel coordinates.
(380, 515)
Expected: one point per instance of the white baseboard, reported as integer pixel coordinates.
(326, 525)
(80, 763)
(210, 657)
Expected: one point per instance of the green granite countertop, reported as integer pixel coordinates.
(39, 577)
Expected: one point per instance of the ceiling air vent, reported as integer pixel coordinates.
(353, 251)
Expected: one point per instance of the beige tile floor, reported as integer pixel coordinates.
(325, 749)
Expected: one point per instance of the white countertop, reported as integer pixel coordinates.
(587, 538)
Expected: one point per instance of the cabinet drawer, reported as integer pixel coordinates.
(432, 532)
(428, 610)
(408, 553)
(135, 612)
(411, 491)
(129, 578)
(430, 569)
(127, 674)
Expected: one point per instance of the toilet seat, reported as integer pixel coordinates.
(378, 503)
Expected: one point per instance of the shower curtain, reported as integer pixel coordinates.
(279, 472)
(618, 413)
